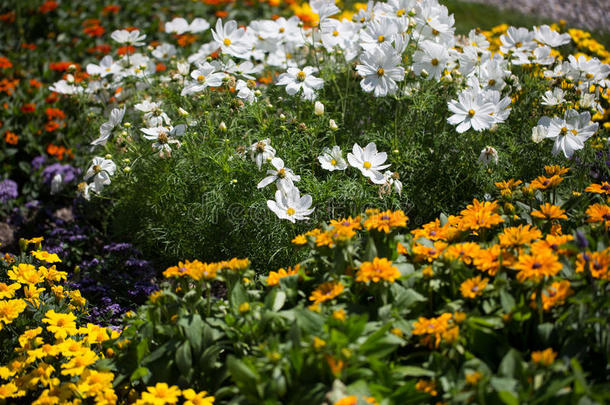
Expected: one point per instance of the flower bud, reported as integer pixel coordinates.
(223, 126)
(318, 108)
(333, 125)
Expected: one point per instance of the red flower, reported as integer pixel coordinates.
(28, 108)
(126, 50)
(48, 6)
(5, 63)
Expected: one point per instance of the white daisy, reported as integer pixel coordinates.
(101, 169)
(262, 151)
(470, 110)
(290, 205)
(369, 162)
(380, 70)
(116, 116)
(296, 79)
(284, 177)
(332, 159)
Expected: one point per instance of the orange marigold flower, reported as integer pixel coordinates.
(544, 183)
(376, 271)
(427, 386)
(556, 170)
(553, 242)
(473, 287)
(599, 213)
(28, 108)
(48, 6)
(596, 262)
(506, 187)
(490, 260)
(603, 188)
(5, 63)
(432, 231)
(554, 295)
(326, 292)
(480, 215)
(426, 253)
(549, 211)
(11, 138)
(274, 277)
(185, 39)
(299, 240)
(8, 17)
(536, 267)
(7, 86)
(519, 235)
(386, 221)
(112, 8)
(545, 357)
(473, 378)
(94, 30)
(435, 330)
(401, 249)
(464, 252)
(350, 400)
(126, 50)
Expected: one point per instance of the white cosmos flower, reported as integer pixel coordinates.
(488, 154)
(101, 169)
(154, 116)
(245, 90)
(232, 40)
(547, 36)
(570, 133)
(539, 132)
(204, 77)
(128, 38)
(164, 51)
(106, 67)
(553, 97)
(164, 138)
(369, 162)
(380, 70)
(116, 116)
(284, 177)
(471, 110)
(262, 151)
(290, 205)
(432, 58)
(332, 159)
(324, 8)
(179, 26)
(392, 180)
(296, 79)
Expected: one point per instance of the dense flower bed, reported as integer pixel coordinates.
(192, 132)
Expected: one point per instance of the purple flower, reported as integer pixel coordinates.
(38, 161)
(8, 190)
(67, 172)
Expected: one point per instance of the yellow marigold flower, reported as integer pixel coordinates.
(96, 383)
(58, 291)
(41, 374)
(236, 264)
(31, 294)
(425, 253)
(339, 315)
(596, 262)
(10, 390)
(326, 292)
(536, 267)
(274, 277)
(95, 334)
(318, 343)
(10, 310)
(599, 213)
(401, 249)
(155, 296)
(548, 211)
(554, 295)
(427, 386)
(435, 330)
(52, 275)
(349, 400)
(45, 256)
(556, 170)
(8, 290)
(244, 307)
(299, 240)
(25, 274)
(428, 271)
(545, 357)
(473, 287)
(544, 183)
(376, 271)
(60, 324)
(29, 335)
(160, 394)
(473, 378)
(432, 231)
(193, 398)
(479, 216)
(397, 332)
(386, 221)
(78, 363)
(77, 298)
(464, 252)
(325, 239)
(38, 239)
(553, 242)
(506, 187)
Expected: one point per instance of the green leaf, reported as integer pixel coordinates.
(381, 343)
(238, 296)
(507, 301)
(184, 358)
(510, 366)
(508, 398)
(141, 350)
(139, 373)
(413, 371)
(193, 331)
(241, 373)
(504, 384)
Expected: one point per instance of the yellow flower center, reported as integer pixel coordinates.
(434, 62)
(200, 78)
(564, 130)
(290, 211)
(380, 72)
(97, 168)
(380, 38)
(282, 29)
(367, 165)
(301, 76)
(281, 173)
(518, 45)
(574, 132)
(227, 41)
(471, 112)
(435, 32)
(400, 12)
(335, 33)
(333, 162)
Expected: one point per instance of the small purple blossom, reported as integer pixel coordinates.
(68, 173)
(8, 190)
(38, 161)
